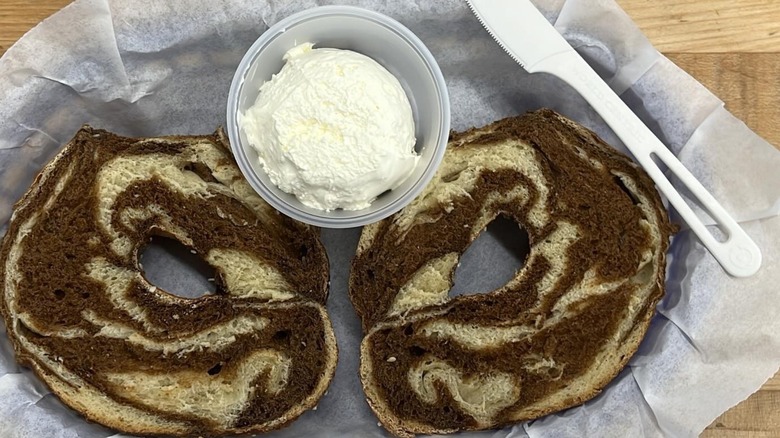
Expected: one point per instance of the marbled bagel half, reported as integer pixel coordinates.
(557, 332)
(251, 357)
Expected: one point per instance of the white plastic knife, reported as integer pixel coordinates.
(526, 35)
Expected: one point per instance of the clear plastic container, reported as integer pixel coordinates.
(375, 35)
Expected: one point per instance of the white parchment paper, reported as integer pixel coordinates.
(143, 67)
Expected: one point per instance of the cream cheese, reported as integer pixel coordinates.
(333, 127)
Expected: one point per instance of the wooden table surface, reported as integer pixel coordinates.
(731, 46)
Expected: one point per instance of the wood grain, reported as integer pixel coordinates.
(737, 433)
(730, 46)
(706, 26)
(773, 384)
(19, 16)
(762, 421)
(748, 83)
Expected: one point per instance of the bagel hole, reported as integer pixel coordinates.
(172, 267)
(492, 259)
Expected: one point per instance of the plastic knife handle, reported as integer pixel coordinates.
(738, 254)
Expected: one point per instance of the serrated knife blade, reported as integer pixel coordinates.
(526, 35)
(520, 29)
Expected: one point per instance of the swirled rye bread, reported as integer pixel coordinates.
(251, 357)
(557, 332)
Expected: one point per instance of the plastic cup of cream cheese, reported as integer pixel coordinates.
(384, 41)
(333, 127)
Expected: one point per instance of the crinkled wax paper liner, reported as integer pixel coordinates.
(150, 68)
